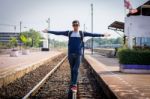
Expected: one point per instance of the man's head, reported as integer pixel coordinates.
(75, 25)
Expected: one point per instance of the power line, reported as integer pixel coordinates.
(87, 18)
(7, 25)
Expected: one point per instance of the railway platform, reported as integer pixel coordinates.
(12, 68)
(121, 85)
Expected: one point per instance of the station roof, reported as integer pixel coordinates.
(117, 26)
(145, 9)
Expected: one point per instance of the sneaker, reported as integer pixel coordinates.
(74, 88)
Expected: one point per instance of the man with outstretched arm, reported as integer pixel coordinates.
(75, 45)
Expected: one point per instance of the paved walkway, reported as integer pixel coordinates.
(123, 85)
(18, 66)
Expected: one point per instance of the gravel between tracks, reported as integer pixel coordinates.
(23, 85)
(87, 85)
(57, 85)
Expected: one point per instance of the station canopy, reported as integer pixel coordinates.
(142, 10)
(117, 26)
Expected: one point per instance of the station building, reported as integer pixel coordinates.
(136, 28)
(5, 36)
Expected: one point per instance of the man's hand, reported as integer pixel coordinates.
(107, 35)
(45, 31)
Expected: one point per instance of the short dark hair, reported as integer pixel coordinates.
(76, 22)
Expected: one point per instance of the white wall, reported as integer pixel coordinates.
(45, 40)
(136, 26)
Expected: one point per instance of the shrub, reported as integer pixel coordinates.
(140, 57)
(25, 40)
(141, 47)
(5, 45)
(13, 42)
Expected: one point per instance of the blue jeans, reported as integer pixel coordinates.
(74, 61)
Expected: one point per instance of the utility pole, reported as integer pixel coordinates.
(15, 28)
(83, 39)
(84, 27)
(92, 26)
(48, 36)
(9, 25)
(20, 33)
(20, 26)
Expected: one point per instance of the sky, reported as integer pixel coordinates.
(34, 13)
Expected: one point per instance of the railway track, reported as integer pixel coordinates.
(55, 83)
(56, 86)
(20, 87)
(41, 85)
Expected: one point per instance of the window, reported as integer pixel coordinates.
(142, 41)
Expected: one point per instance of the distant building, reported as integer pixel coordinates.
(5, 36)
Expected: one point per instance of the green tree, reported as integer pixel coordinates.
(24, 39)
(33, 38)
(13, 42)
(103, 41)
(119, 40)
(58, 44)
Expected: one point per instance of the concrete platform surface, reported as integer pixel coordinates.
(123, 85)
(12, 68)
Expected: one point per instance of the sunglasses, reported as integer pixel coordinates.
(75, 25)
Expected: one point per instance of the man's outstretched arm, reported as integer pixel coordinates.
(95, 35)
(65, 33)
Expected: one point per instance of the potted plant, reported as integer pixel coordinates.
(13, 43)
(24, 40)
(134, 61)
